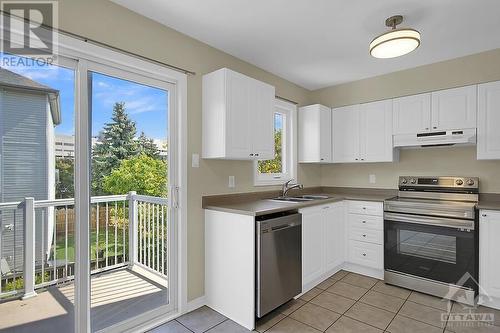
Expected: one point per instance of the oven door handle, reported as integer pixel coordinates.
(428, 220)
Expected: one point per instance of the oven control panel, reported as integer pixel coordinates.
(439, 182)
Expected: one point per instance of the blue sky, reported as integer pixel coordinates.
(147, 106)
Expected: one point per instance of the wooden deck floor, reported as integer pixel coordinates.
(116, 296)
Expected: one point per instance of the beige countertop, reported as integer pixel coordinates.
(259, 203)
(257, 207)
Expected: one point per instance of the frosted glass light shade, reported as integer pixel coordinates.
(395, 43)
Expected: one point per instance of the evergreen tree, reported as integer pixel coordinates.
(117, 144)
(146, 146)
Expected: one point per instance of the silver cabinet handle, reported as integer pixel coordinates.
(326, 207)
(364, 207)
(363, 221)
(427, 128)
(251, 154)
(434, 127)
(484, 215)
(256, 154)
(364, 235)
(364, 254)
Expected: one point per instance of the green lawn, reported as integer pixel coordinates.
(60, 253)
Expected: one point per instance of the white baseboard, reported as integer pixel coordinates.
(363, 270)
(195, 304)
(308, 286)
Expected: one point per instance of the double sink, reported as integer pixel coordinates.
(301, 198)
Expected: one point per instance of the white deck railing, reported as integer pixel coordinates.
(126, 230)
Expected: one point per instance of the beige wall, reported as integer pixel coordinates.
(109, 23)
(482, 67)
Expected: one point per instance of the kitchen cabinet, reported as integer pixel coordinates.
(315, 141)
(488, 134)
(363, 133)
(365, 246)
(411, 114)
(437, 111)
(238, 117)
(489, 252)
(454, 108)
(323, 236)
(345, 134)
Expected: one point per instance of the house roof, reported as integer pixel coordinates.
(13, 80)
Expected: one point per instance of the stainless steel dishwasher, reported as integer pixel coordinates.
(279, 259)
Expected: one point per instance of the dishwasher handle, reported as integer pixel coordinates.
(279, 223)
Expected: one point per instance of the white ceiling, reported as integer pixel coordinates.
(318, 43)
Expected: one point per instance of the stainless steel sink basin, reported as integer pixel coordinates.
(292, 199)
(301, 198)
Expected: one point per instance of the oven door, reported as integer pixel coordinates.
(439, 249)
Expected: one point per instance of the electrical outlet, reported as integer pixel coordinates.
(195, 160)
(231, 183)
(372, 179)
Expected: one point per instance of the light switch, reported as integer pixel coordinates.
(231, 183)
(372, 179)
(195, 161)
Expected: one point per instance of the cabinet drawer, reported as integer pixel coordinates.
(366, 208)
(366, 221)
(366, 254)
(366, 235)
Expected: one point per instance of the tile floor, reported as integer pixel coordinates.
(346, 302)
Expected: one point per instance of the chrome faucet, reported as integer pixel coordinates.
(287, 187)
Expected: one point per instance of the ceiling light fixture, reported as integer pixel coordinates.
(396, 42)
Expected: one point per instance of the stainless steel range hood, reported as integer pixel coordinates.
(436, 139)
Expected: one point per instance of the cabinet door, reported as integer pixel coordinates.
(315, 129)
(454, 108)
(335, 235)
(313, 245)
(325, 132)
(489, 252)
(239, 117)
(412, 114)
(262, 106)
(488, 133)
(345, 134)
(376, 132)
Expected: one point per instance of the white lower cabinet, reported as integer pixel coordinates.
(489, 252)
(365, 233)
(323, 238)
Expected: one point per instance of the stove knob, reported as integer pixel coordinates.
(459, 182)
(470, 182)
(404, 181)
(413, 181)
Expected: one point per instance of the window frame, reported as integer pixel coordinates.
(289, 151)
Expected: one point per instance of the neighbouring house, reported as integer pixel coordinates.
(29, 111)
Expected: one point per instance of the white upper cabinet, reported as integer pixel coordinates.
(345, 134)
(315, 141)
(488, 121)
(363, 133)
(454, 108)
(412, 114)
(238, 115)
(376, 132)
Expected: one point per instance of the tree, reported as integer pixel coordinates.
(275, 165)
(65, 184)
(117, 144)
(146, 146)
(143, 174)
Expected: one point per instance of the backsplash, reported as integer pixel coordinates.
(449, 161)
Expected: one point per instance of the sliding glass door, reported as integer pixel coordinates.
(131, 220)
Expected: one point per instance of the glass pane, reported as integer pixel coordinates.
(275, 165)
(128, 242)
(428, 246)
(36, 161)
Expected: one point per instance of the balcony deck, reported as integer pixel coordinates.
(116, 295)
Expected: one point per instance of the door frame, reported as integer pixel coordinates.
(87, 55)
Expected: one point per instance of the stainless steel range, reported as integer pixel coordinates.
(431, 236)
